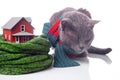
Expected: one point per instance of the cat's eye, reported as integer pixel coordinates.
(87, 41)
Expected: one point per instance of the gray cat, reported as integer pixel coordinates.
(76, 30)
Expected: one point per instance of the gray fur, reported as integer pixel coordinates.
(76, 29)
(85, 12)
(57, 15)
(76, 34)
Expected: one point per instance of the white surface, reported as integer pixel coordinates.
(97, 68)
(107, 34)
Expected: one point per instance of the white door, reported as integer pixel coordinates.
(17, 39)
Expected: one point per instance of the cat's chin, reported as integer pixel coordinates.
(80, 52)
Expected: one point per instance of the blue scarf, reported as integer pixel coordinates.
(62, 52)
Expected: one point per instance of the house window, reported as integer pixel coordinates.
(22, 27)
(9, 37)
(25, 38)
(17, 39)
(5, 36)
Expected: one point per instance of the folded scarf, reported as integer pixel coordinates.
(63, 53)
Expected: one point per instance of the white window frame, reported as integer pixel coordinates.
(5, 36)
(9, 37)
(17, 39)
(22, 27)
(25, 38)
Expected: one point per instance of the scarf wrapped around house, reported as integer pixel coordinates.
(63, 53)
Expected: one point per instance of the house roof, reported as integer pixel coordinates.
(22, 33)
(13, 21)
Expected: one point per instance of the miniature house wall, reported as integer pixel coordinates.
(18, 30)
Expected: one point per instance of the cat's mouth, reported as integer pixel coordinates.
(80, 51)
(77, 50)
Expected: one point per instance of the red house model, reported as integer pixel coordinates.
(18, 30)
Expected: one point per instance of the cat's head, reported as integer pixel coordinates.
(76, 30)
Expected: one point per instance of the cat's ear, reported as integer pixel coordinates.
(91, 23)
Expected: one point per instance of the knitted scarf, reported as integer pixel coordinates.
(63, 53)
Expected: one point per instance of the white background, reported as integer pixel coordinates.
(107, 34)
